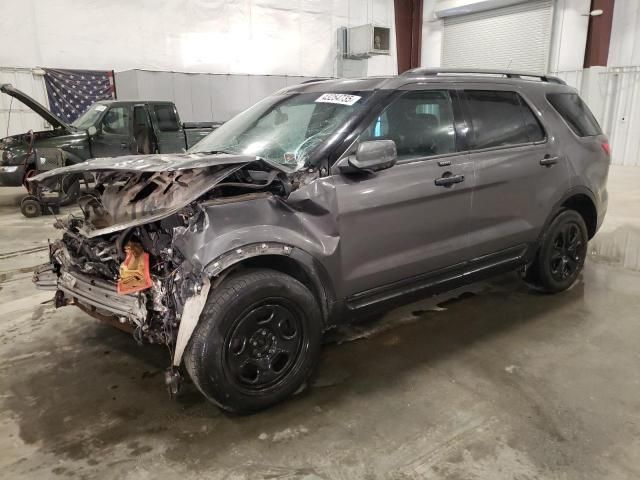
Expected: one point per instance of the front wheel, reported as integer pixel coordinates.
(562, 253)
(30, 207)
(258, 341)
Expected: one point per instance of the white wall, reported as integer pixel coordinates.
(624, 48)
(278, 37)
(432, 31)
(15, 117)
(568, 39)
(201, 96)
(569, 35)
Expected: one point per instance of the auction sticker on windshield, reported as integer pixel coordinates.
(340, 98)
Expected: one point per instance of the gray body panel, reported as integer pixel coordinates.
(513, 192)
(395, 228)
(399, 224)
(396, 225)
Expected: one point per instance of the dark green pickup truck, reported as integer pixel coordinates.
(107, 129)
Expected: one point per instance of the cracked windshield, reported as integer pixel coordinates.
(284, 129)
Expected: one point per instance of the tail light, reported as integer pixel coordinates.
(607, 148)
(134, 271)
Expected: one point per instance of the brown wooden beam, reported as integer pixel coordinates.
(408, 17)
(599, 34)
(416, 33)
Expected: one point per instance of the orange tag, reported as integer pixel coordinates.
(134, 271)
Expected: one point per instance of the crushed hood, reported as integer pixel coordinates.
(140, 189)
(157, 162)
(34, 105)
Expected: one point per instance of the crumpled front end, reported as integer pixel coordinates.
(93, 275)
(121, 261)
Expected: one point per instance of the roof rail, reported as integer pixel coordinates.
(424, 72)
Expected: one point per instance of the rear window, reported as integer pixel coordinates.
(501, 118)
(167, 118)
(576, 113)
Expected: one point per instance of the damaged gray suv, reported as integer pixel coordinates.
(323, 202)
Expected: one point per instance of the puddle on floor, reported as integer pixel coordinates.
(618, 248)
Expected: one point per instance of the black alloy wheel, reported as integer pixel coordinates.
(561, 254)
(568, 251)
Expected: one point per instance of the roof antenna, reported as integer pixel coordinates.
(9, 117)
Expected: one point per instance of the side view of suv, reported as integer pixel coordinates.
(325, 201)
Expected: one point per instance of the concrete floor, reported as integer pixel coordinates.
(500, 384)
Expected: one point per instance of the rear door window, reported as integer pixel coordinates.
(116, 121)
(166, 117)
(576, 113)
(420, 123)
(500, 118)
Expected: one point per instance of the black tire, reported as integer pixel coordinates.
(258, 341)
(30, 207)
(561, 255)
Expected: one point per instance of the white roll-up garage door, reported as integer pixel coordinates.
(515, 38)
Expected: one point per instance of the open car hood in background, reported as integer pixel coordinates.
(34, 105)
(141, 189)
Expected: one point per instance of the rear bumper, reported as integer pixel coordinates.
(11, 175)
(91, 293)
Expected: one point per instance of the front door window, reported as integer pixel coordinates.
(420, 123)
(116, 121)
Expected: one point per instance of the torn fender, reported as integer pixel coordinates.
(190, 316)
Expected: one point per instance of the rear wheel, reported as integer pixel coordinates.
(258, 341)
(30, 207)
(562, 253)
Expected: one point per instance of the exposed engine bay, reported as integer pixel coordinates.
(123, 260)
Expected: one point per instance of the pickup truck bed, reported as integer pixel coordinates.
(196, 131)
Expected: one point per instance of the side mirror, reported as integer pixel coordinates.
(92, 131)
(374, 155)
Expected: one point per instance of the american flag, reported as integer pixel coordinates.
(72, 92)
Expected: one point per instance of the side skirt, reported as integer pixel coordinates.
(438, 281)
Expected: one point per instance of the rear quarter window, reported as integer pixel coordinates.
(166, 117)
(576, 113)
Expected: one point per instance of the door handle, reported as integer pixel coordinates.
(548, 161)
(124, 146)
(448, 179)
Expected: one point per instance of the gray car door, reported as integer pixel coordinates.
(397, 223)
(519, 171)
(114, 136)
